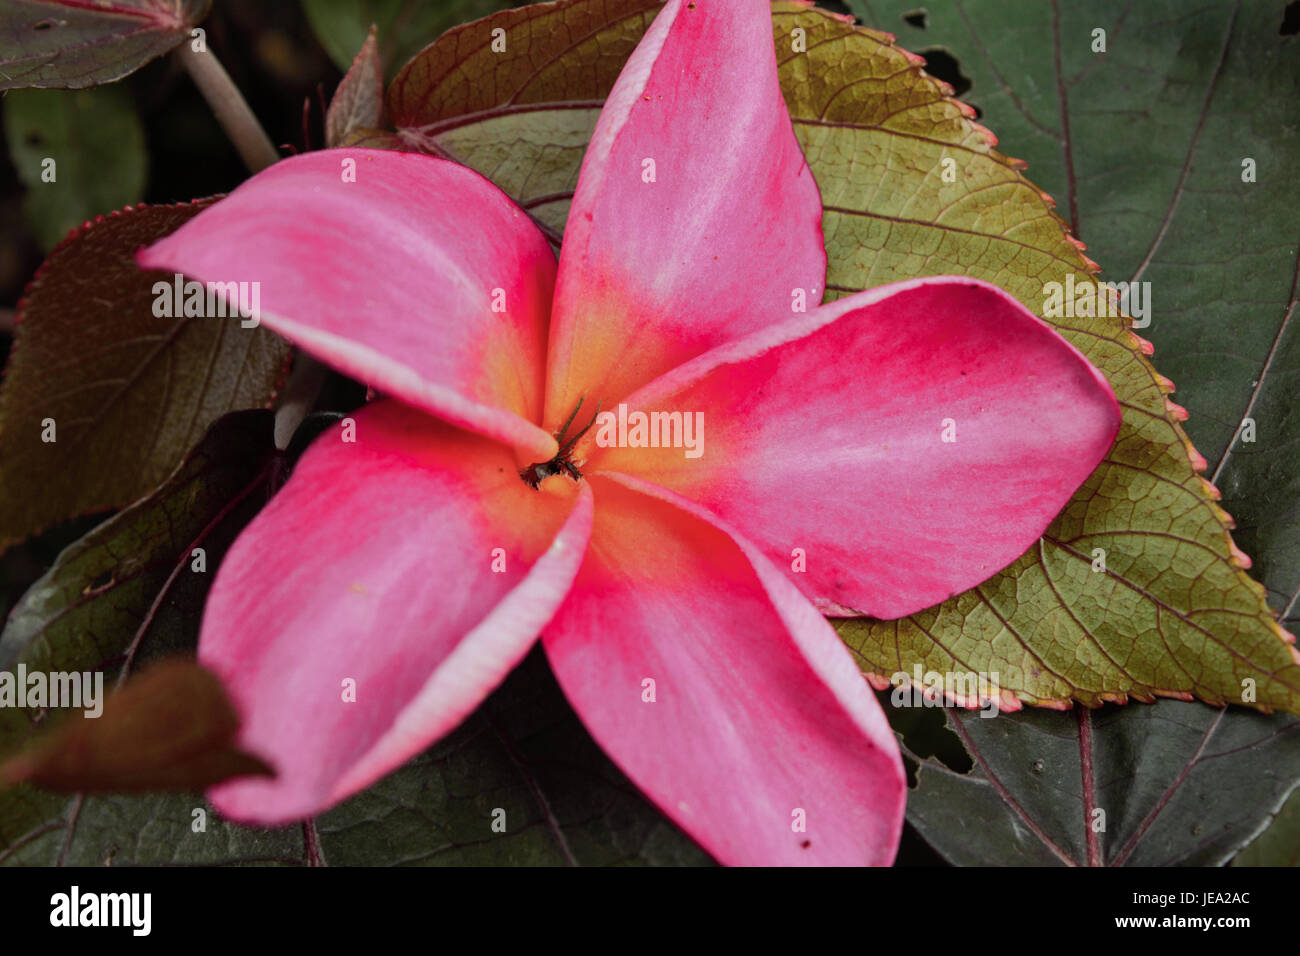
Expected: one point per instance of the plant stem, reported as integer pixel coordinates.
(230, 107)
(298, 397)
(257, 152)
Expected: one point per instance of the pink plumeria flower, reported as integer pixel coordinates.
(421, 562)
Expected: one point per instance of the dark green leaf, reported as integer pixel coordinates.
(1170, 783)
(77, 153)
(1279, 843)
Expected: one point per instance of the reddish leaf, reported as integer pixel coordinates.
(172, 728)
(128, 392)
(359, 100)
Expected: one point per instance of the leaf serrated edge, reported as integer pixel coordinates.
(1141, 348)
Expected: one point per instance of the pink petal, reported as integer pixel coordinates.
(392, 279)
(654, 273)
(375, 564)
(760, 720)
(826, 434)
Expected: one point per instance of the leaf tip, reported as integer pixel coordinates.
(878, 681)
(1142, 345)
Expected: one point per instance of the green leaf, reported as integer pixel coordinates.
(77, 154)
(1195, 92)
(359, 100)
(132, 590)
(405, 26)
(72, 44)
(126, 390)
(1164, 202)
(1279, 843)
(1170, 784)
(1174, 612)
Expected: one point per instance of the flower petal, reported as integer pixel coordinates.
(760, 722)
(653, 273)
(414, 563)
(830, 434)
(391, 276)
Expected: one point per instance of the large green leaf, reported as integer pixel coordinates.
(74, 44)
(77, 153)
(1174, 612)
(1165, 203)
(128, 392)
(1144, 143)
(1175, 783)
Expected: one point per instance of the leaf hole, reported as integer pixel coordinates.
(1290, 20)
(916, 18)
(926, 733)
(942, 64)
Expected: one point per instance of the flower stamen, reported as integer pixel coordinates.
(538, 472)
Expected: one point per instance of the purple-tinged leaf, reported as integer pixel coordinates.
(71, 44)
(359, 100)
